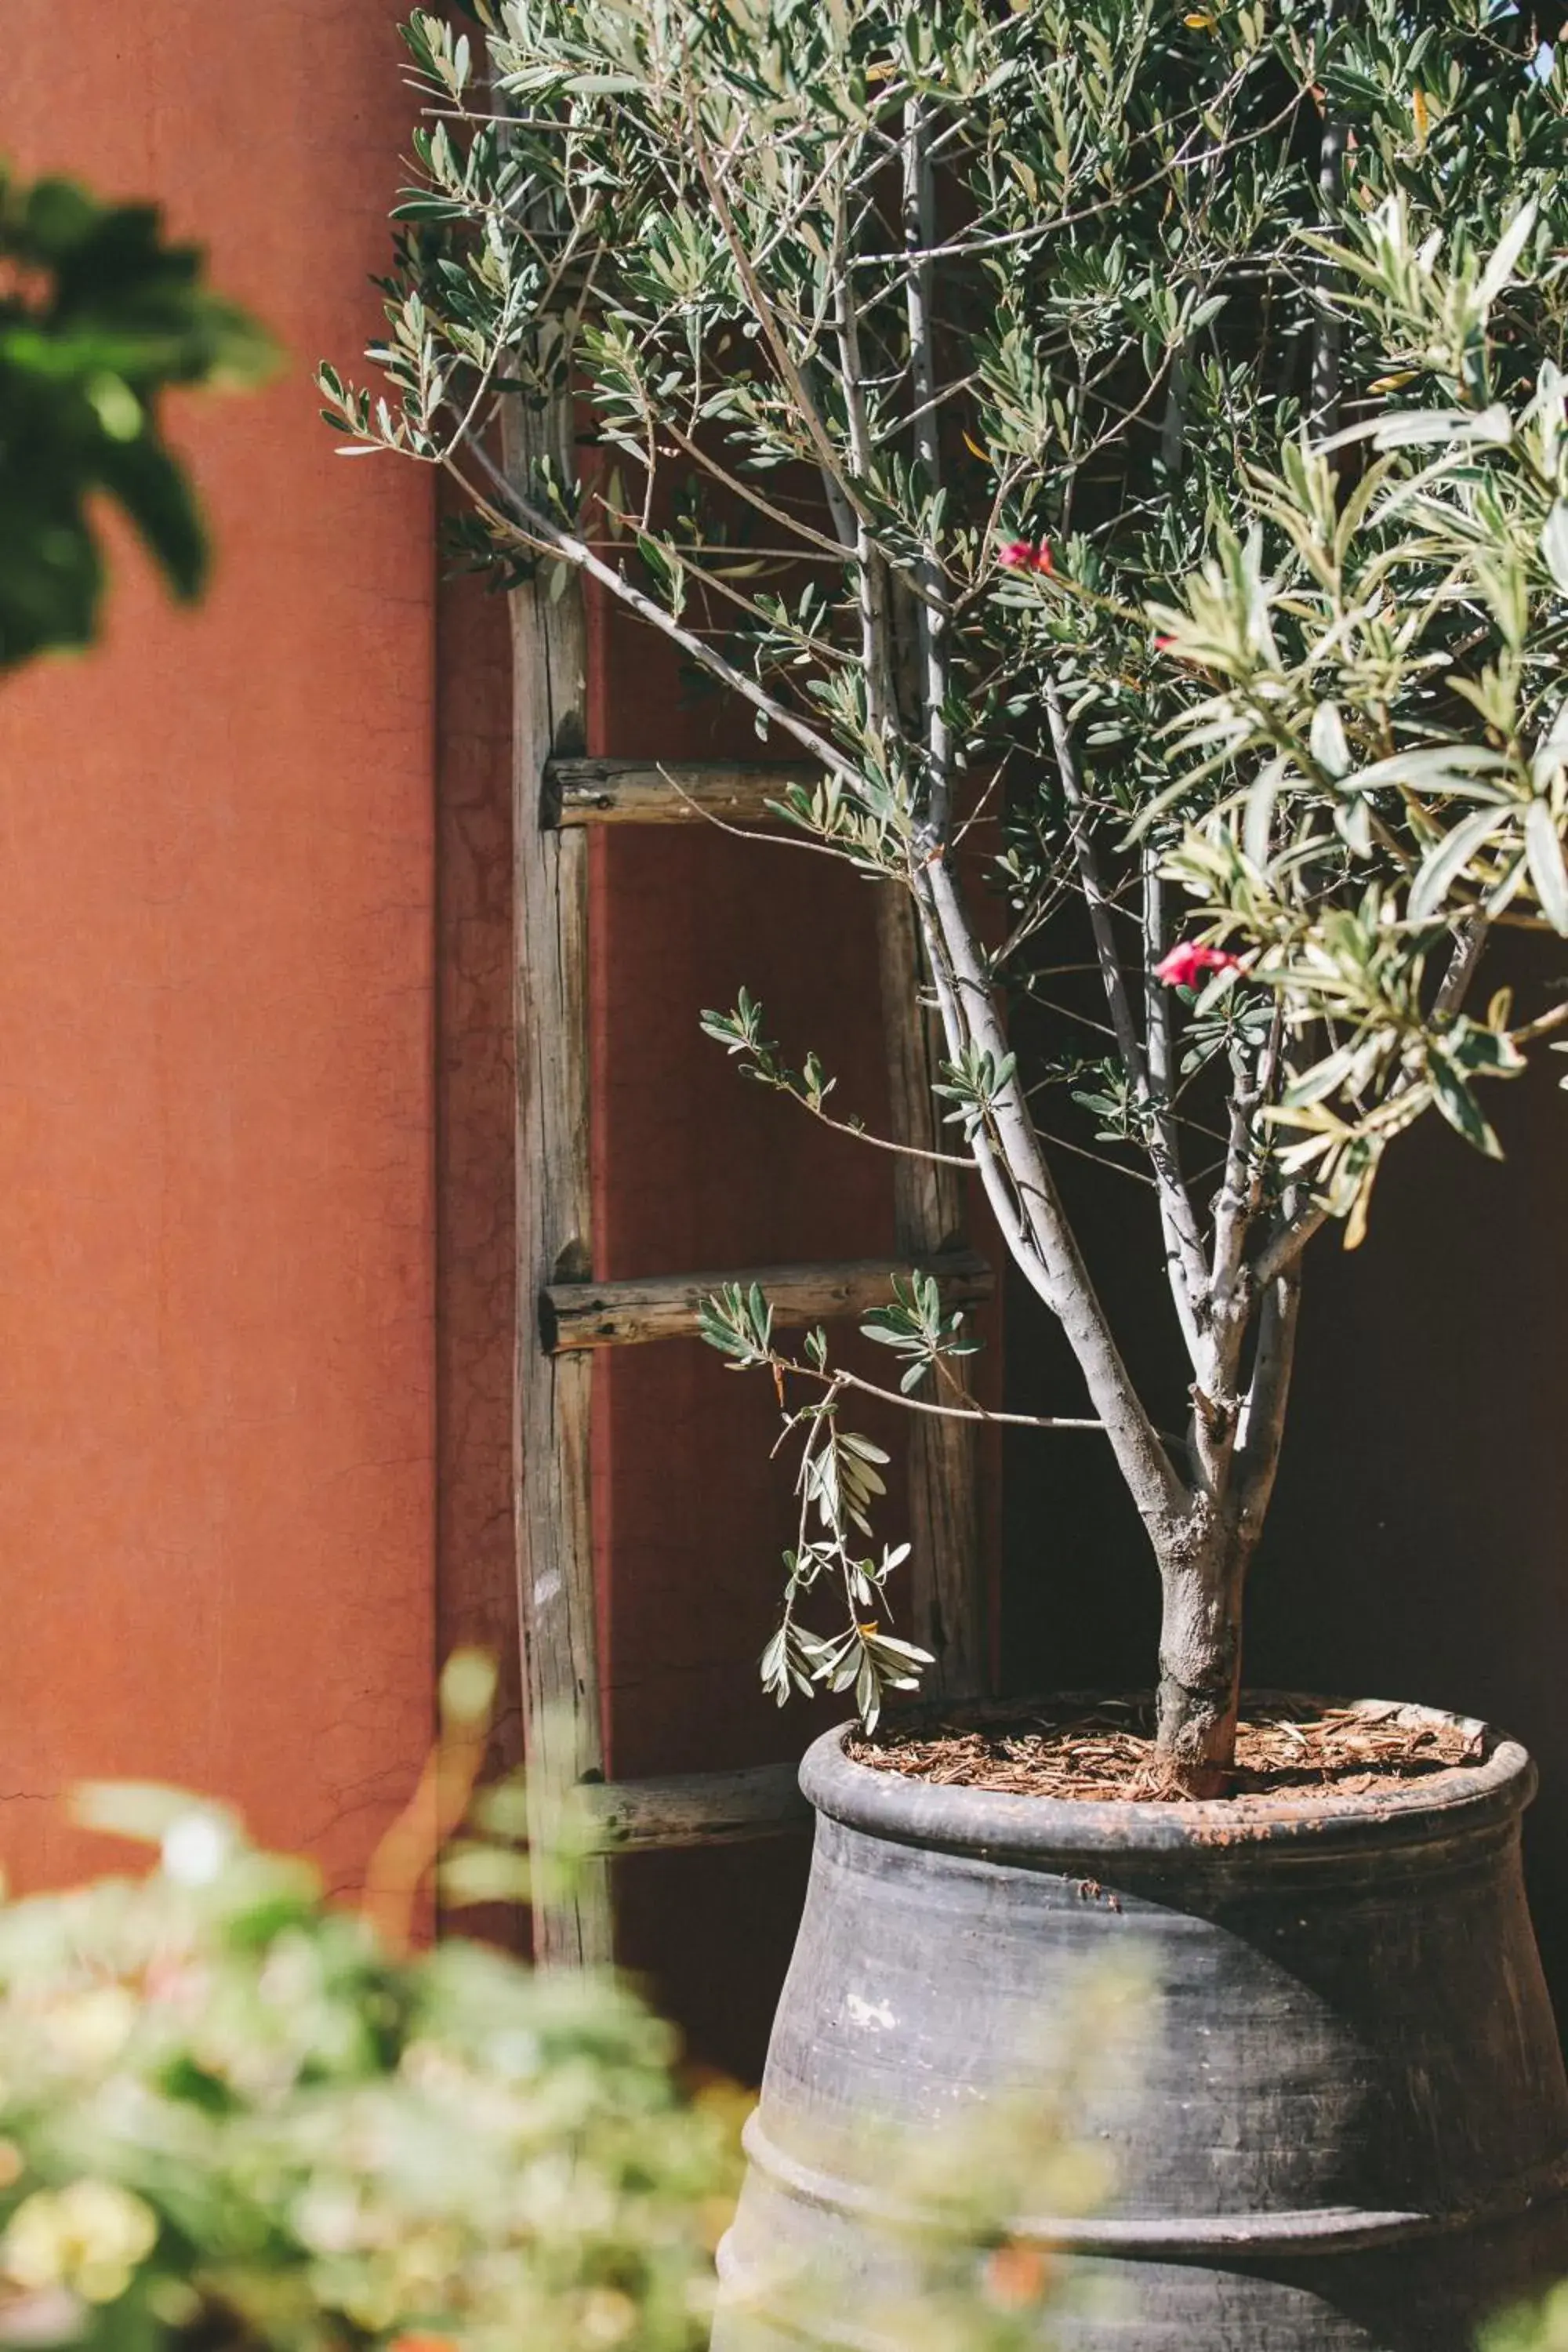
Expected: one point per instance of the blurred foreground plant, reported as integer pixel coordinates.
(950, 2261)
(233, 2114)
(1542, 2327)
(99, 317)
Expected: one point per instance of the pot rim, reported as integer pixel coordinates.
(994, 1824)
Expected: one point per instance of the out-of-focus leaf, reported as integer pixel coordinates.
(102, 318)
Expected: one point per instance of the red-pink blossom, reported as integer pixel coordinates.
(1189, 960)
(1023, 555)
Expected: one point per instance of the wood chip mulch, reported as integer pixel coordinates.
(1107, 1753)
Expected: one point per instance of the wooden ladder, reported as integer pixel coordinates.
(563, 1314)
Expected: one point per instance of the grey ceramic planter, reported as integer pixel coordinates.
(1347, 2128)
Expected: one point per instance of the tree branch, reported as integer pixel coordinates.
(1156, 995)
(1052, 1259)
(1184, 1248)
(1284, 1247)
(920, 231)
(1324, 399)
(1262, 1430)
(841, 501)
(877, 647)
(537, 531)
(1232, 1203)
(841, 1378)
(1469, 942)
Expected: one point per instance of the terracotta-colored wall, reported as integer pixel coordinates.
(215, 921)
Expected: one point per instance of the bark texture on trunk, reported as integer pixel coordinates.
(1200, 1661)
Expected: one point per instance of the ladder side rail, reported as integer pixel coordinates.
(950, 1608)
(557, 1621)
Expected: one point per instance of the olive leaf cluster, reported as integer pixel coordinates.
(1387, 705)
(837, 1484)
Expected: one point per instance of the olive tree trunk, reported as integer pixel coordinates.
(1203, 1566)
(1200, 1657)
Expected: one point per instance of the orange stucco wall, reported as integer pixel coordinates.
(216, 1516)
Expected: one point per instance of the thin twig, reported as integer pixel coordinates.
(547, 538)
(841, 1378)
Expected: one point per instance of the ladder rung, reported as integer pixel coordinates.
(666, 791)
(697, 1808)
(624, 1314)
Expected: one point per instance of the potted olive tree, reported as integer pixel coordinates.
(927, 355)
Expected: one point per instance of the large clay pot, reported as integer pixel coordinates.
(1348, 2127)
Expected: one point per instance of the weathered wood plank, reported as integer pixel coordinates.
(666, 791)
(554, 1546)
(949, 1585)
(577, 1315)
(692, 1809)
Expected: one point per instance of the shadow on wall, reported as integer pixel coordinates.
(1416, 1548)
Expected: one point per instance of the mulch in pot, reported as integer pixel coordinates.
(1289, 1749)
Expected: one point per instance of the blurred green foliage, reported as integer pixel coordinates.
(230, 2115)
(1542, 2328)
(233, 2114)
(99, 317)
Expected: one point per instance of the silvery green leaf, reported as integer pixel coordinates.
(1411, 428)
(1322, 1079)
(1449, 858)
(1493, 428)
(1506, 888)
(909, 1653)
(1438, 766)
(1555, 545)
(1511, 245)
(1552, 752)
(1547, 871)
(1353, 823)
(1459, 1108)
(1327, 740)
(1260, 804)
(1410, 425)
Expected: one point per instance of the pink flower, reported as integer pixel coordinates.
(1187, 962)
(1023, 555)
(1163, 645)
